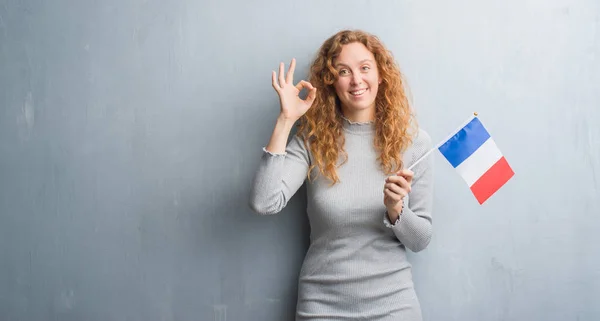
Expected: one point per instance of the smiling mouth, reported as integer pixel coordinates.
(358, 92)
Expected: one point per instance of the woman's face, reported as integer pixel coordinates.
(358, 81)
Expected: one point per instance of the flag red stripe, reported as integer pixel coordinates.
(492, 180)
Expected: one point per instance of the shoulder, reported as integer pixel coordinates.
(297, 140)
(422, 139)
(298, 147)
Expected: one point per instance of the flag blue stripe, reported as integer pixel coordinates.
(466, 141)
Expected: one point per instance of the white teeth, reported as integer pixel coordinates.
(358, 92)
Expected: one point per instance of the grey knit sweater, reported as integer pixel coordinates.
(355, 267)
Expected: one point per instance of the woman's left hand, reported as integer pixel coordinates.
(395, 190)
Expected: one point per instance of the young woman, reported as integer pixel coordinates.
(356, 139)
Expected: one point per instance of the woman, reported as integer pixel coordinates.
(355, 140)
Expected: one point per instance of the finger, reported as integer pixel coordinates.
(397, 179)
(274, 81)
(396, 189)
(304, 84)
(387, 200)
(312, 95)
(407, 174)
(281, 79)
(312, 91)
(392, 196)
(400, 181)
(290, 76)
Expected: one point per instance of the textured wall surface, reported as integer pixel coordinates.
(130, 132)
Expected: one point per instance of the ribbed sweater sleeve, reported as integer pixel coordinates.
(278, 177)
(414, 227)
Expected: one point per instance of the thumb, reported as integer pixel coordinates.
(312, 95)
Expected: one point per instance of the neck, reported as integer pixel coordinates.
(359, 116)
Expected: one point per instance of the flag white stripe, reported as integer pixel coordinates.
(479, 162)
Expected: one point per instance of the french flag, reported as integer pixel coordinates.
(475, 156)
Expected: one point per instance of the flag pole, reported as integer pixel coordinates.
(443, 141)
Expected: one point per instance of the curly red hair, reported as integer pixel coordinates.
(322, 128)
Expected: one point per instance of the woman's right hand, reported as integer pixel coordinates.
(292, 106)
